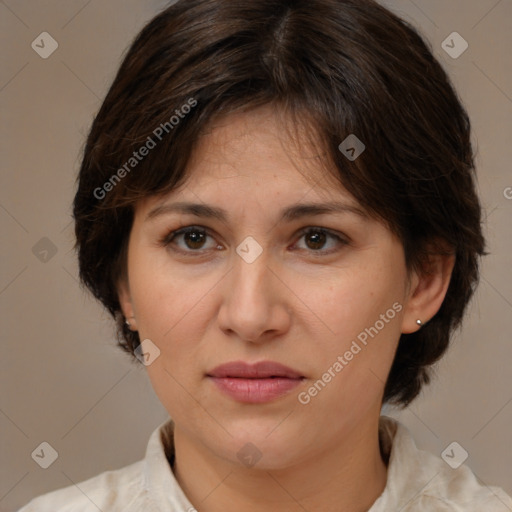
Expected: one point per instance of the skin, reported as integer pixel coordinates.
(301, 303)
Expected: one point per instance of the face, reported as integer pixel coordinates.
(248, 276)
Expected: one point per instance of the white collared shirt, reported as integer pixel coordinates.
(417, 481)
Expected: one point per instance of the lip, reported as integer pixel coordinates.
(255, 383)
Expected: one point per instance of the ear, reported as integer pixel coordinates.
(125, 301)
(427, 290)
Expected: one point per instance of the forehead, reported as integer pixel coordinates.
(253, 159)
(258, 145)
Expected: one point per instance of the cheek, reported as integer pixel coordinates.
(165, 296)
(173, 309)
(170, 309)
(352, 299)
(360, 308)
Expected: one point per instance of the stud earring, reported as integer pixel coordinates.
(127, 322)
(419, 322)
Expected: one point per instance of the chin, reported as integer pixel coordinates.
(264, 444)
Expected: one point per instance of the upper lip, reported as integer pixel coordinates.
(260, 370)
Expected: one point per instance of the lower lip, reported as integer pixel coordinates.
(255, 391)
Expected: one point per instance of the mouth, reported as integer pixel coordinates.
(261, 370)
(255, 383)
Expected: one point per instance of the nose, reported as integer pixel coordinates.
(255, 302)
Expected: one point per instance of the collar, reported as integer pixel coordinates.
(415, 478)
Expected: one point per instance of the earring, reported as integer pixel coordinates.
(419, 322)
(127, 322)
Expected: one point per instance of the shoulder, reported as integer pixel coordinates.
(458, 489)
(112, 490)
(421, 481)
(148, 485)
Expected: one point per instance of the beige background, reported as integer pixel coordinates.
(61, 378)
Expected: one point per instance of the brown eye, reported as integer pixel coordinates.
(189, 240)
(194, 239)
(316, 240)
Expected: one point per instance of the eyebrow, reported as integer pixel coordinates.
(288, 214)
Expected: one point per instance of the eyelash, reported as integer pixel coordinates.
(168, 239)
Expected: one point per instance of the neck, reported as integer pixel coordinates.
(349, 476)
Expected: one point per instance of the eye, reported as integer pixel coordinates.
(192, 238)
(316, 238)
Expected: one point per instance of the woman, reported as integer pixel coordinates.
(277, 204)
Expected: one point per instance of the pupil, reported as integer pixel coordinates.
(318, 240)
(194, 239)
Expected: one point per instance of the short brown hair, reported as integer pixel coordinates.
(342, 66)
